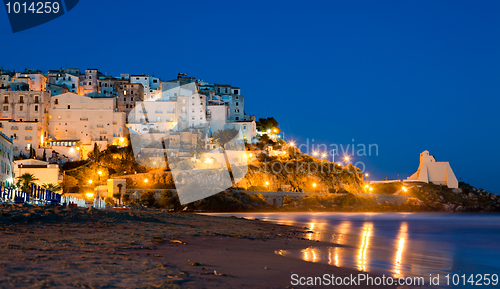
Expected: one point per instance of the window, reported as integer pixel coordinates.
(90, 77)
(90, 83)
(236, 92)
(158, 119)
(236, 103)
(69, 106)
(6, 99)
(56, 101)
(73, 86)
(124, 92)
(237, 118)
(5, 108)
(21, 99)
(36, 98)
(36, 107)
(124, 99)
(244, 127)
(21, 108)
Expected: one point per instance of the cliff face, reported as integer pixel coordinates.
(301, 173)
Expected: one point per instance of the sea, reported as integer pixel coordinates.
(462, 250)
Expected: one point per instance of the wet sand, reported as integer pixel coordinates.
(47, 247)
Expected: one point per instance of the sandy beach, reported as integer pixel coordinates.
(57, 247)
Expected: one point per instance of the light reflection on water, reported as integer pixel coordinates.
(395, 244)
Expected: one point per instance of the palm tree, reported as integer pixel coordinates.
(222, 137)
(52, 187)
(24, 182)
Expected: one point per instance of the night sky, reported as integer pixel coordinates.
(405, 75)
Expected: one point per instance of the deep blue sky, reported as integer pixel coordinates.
(405, 75)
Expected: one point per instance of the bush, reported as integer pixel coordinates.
(109, 201)
(148, 199)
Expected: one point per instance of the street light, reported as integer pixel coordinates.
(315, 153)
(292, 144)
(267, 183)
(90, 195)
(323, 155)
(366, 175)
(90, 181)
(346, 158)
(146, 180)
(314, 185)
(99, 173)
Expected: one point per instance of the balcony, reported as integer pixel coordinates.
(28, 138)
(14, 128)
(102, 132)
(100, 126)
(84, 119)
(28, 128)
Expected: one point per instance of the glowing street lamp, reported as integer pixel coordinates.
(314, 185)
(90, 181)
(346, 158)
(366, 175)
(267, 183)
(99, 173)
(323, 155)
(146, 181)
(89, 195)
(315, 153)
(292, 144)
(405, 189)
(371, 189)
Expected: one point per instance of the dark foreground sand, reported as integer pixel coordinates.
(47, 247)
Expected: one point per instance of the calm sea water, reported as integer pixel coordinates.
(400, 244)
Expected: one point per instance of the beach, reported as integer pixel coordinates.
(67, 247)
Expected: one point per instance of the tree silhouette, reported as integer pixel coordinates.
(52, 187)
(24, 182)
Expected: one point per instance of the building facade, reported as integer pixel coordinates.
(86, 119)
(430, 171)
(5, 160)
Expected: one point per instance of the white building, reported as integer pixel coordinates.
(5, 159)
(86, 119)
(430, 171)
(45, 173)
(152, 86)
(217, 116)
(71, 82)
(247, 128)
(25, 135)
(38, 81)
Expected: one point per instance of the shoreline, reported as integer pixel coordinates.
(66, 247)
